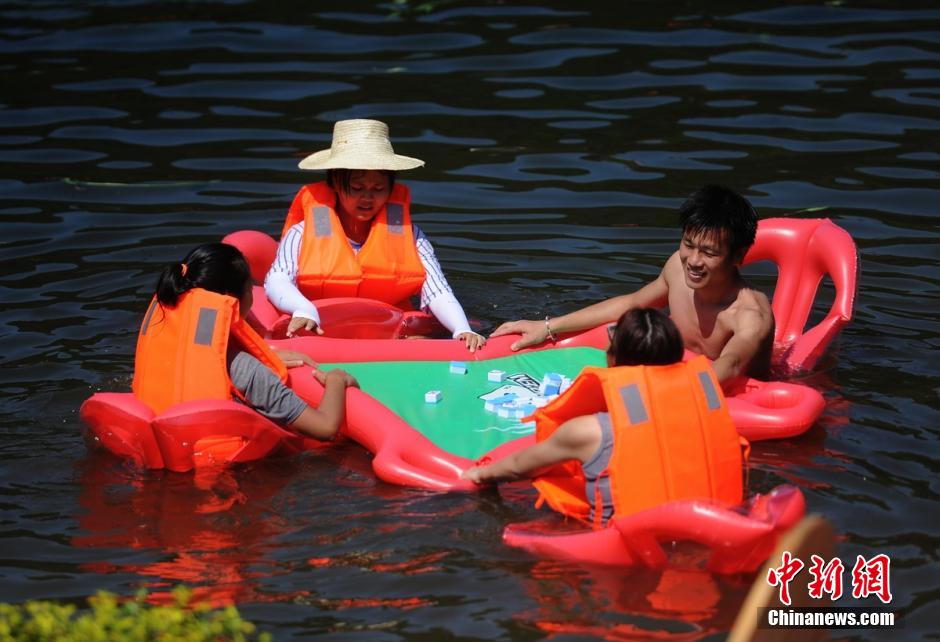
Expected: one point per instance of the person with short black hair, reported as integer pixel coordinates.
(643, 337)
(717, 312)
(645, 346)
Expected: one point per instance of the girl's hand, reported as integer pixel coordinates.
(473, 340)
(294, 359)
(348, 380)
(302, 323)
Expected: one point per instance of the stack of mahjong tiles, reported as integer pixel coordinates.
(516, 406)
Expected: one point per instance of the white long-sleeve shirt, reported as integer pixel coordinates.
(437, 297)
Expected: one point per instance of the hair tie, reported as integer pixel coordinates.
(183, 269)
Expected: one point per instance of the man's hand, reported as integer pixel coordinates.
(302, 323)
(532, 332)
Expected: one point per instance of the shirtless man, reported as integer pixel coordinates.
(717, 312)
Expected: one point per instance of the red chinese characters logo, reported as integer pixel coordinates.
(872, 577)
(782, 575)
(869, 577)
(826, 578)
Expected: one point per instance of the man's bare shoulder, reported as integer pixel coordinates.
(749, 298)
(672, 268)
(751, 310)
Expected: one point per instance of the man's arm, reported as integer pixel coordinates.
(750, 331)
(654, 294)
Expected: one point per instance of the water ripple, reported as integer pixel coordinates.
(543, 59)
(808, 15)
(232, 37)
(852, 123)
(711, 81)
(19, 118)
(794, 145)
(559, 142)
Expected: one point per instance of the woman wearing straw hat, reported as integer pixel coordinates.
(352, 235)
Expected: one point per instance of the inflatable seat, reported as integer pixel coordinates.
(189, 435)
(343, 317)
(806, 250)
(738, 539)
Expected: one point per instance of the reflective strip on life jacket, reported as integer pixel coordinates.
(673, 438)
(387, 267)
(182, 351)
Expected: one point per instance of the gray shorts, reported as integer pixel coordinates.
(264, 391)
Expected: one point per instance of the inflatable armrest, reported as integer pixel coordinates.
(215, 431)
(807, 349)
(259, 250)
(605, 547)
(739, 540)
(805, 251)
(119, 422)
(420, 324)
(264, 317)
(774, 410)
(354, 318)
(740, 543)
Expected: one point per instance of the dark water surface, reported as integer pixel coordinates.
(559, 139)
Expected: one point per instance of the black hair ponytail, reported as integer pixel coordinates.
(171, 284)
(217, 267)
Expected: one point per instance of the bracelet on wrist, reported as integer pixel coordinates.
(548, 328)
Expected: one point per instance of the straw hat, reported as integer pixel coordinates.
(359, 144)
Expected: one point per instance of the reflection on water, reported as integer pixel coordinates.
(559, 141)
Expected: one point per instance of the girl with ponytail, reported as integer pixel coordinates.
(216, 267)
(222, 269)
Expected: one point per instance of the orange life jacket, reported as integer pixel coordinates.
(182, 351)
(673, 439)
(387, 267)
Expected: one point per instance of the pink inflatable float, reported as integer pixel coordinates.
(344, 317)
(186, 436)
(805, 251)
(192, 434)
(737, 540)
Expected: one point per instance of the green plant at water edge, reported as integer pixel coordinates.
(111, 619)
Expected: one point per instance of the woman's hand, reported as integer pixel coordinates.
(303, 323)
(532, 332)
(473, 340)
(294, 359)
(347, 379)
